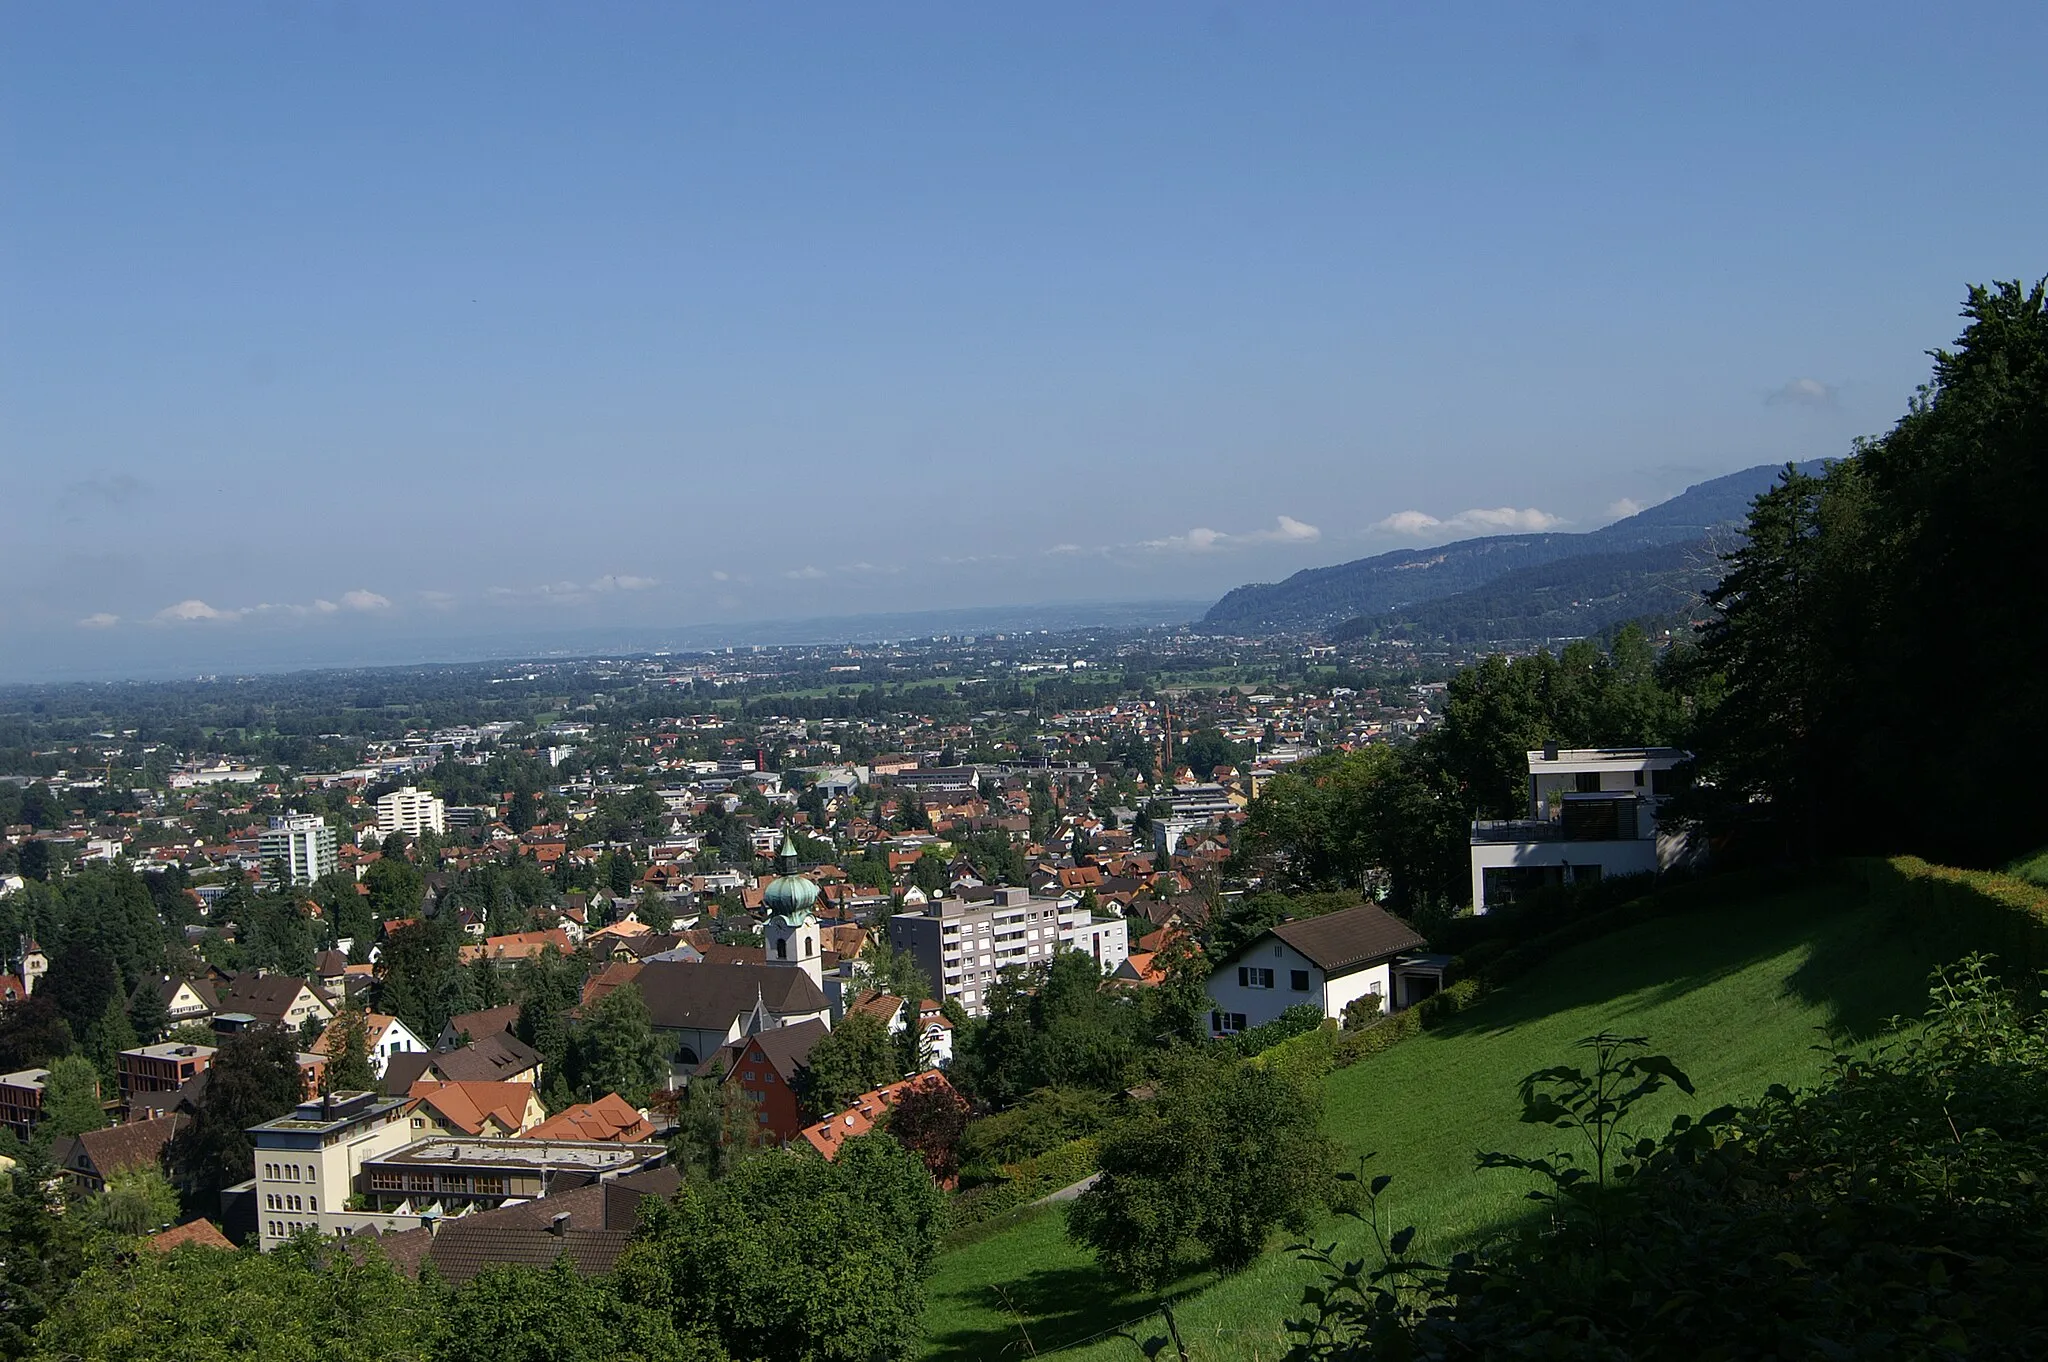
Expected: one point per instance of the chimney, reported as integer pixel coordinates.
(559, 1226)
(1550, 750)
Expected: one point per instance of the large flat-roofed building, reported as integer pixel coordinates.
(1593, 813)
(962, 943)
(451, 1175)
(411, 812)
(303, 843)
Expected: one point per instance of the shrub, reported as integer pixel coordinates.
(1022, 1183)
(1302, 1017)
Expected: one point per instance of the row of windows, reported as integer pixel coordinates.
(1251, 976)
(276, 1202)
(280, 1229)
(287, 1172)
(483, 1184)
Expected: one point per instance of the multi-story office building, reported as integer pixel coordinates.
(303, 843)
(411, 812)
(962, 943)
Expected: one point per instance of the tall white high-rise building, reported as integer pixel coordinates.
(303, 842)
(411, 812)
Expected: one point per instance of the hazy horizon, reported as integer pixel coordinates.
(326, 333)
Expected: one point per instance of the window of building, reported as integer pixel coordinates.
(1254, 977)
(313, 1203)
(386, 1182)
(490, 1184)
(1297, 979)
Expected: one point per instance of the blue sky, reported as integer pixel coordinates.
(327, 325)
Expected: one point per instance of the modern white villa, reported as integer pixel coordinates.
(1593, 812)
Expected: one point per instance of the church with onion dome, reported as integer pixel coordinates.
(790, 936)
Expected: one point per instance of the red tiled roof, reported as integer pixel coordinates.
(200, 1233)
(610, 1117)
(865, 1112)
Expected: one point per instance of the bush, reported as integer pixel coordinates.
(1043, 1121)
(1352, 1046)
(1024, 1182)
(1300, 1018)
(1364, 1011)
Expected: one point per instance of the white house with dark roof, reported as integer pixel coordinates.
(1329, 961)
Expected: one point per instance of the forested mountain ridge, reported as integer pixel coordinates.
(1317, 598)
(1566, 598)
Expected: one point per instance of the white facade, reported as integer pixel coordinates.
(307, 1162)
(1592, 814)
(1108, 939)
(1270, 976)
(389, 1036)
(963, 944)
(304, 843)
(411, 812)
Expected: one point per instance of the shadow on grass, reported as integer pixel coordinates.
(1865, 963)
(1054, 1308)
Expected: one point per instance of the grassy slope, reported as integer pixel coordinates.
(1738, 996)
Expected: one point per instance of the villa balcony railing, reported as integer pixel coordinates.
(1512, 830)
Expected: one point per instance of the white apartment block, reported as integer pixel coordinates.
(1592, 813)
(411, 812)
(962, 944)
(303, 842)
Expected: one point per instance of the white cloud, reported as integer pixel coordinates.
(1286, 530)
(1408, 522)
(621, 582)
(720, 575)
(195, 609)
(1623, 509)
(1290, 531)
(1802, 392)
(1066, 548)
(1201, 539)
(100, 621)
(805, 574)
(1479, 520)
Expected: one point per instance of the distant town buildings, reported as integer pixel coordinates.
(411, 811)
(302, 843)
